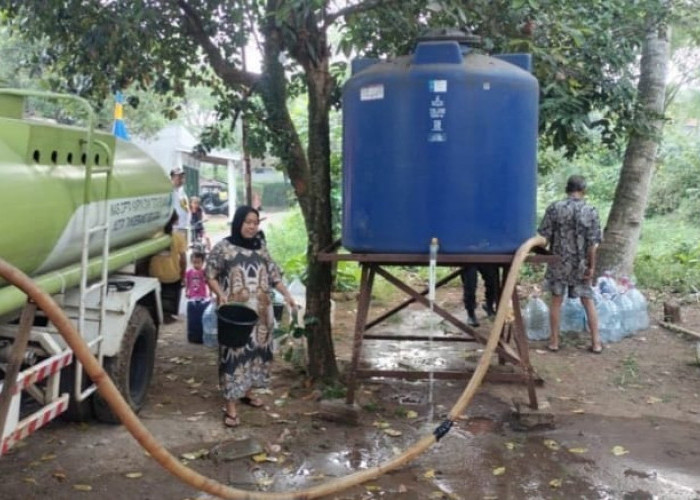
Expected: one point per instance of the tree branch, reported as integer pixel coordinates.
(357, 8)
(226, 71)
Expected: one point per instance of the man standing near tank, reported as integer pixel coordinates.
(180, 201)
(490, 275)
(572, 230)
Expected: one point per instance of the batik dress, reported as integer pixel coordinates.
(245, 276)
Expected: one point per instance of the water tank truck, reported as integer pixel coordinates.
(82, 210)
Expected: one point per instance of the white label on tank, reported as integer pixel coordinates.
(437, 102)
(487, 85)
(437, 137)
(372, 93)
(438, 85)
(131, 219)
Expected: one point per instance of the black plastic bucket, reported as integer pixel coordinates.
(235, 323)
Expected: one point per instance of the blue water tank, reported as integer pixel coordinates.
(441, 144)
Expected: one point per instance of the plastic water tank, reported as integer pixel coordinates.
(441, 143)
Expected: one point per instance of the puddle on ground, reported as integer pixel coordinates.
(481, 457)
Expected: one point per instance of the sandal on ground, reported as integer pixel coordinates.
(596, 350)
(254, 402)
(231, 420)
(552, 348)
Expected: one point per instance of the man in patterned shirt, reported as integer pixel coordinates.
(572, 229)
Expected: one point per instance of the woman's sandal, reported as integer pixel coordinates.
(553, 348)
(596, 351)
(231, 420)
(254, 402)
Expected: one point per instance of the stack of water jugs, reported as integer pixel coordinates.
(621, 307)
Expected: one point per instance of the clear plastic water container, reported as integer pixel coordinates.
(573, 316)
(536, 319)
(209, 326)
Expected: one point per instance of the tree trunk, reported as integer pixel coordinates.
(310, 175)
(621, 236)
(322, 362)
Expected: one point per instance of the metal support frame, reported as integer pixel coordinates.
(513, 345)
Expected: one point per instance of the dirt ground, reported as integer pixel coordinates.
(641, 395)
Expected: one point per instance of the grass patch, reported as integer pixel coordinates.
(629, 371)
(334, 391)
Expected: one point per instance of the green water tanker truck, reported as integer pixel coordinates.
(82, 211)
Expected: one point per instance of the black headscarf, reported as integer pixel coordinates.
(236, 238)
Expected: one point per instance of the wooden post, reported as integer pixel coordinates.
(672, 312)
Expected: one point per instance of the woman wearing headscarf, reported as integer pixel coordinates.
(239, 269)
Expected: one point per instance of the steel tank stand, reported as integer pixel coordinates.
(513, 351)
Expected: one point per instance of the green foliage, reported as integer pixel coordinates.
(287, 242)
(584, 53)
(334, 391)
(669, 255)
(677, 181)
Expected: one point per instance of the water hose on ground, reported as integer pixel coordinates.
(110, 393)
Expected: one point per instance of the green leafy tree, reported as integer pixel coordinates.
(585, 57)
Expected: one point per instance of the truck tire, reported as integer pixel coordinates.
(131, 369)
(77, 411)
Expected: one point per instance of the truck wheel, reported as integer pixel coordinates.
(77, 411)
(132, 368)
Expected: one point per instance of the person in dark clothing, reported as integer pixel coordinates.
(490, 275)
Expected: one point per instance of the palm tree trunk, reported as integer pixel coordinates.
(623, 229)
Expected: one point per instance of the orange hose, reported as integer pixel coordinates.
(115, 400)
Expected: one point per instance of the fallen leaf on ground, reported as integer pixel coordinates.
(619, 450)
(402, 489)
(578, 410)
(260, 457)
(194, 455)
(555, 483)
(551, 444)
(47, 456)
(265, 481)
(392, 432)
(381, 425)
(411, 414)
(373, 487)
(578, 450)
(651, 400)
(510, 445)
(273, 448)
(133, 475)
(499, 471)
(29, 480)
(59, 475)
(82, 487)
(429, 474)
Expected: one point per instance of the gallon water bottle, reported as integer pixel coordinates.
(626, 314)
(639, 304)
(607, 284)
(573, 316)
(608, 320)
(298, 291)
(536, 319)
(209, 326)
